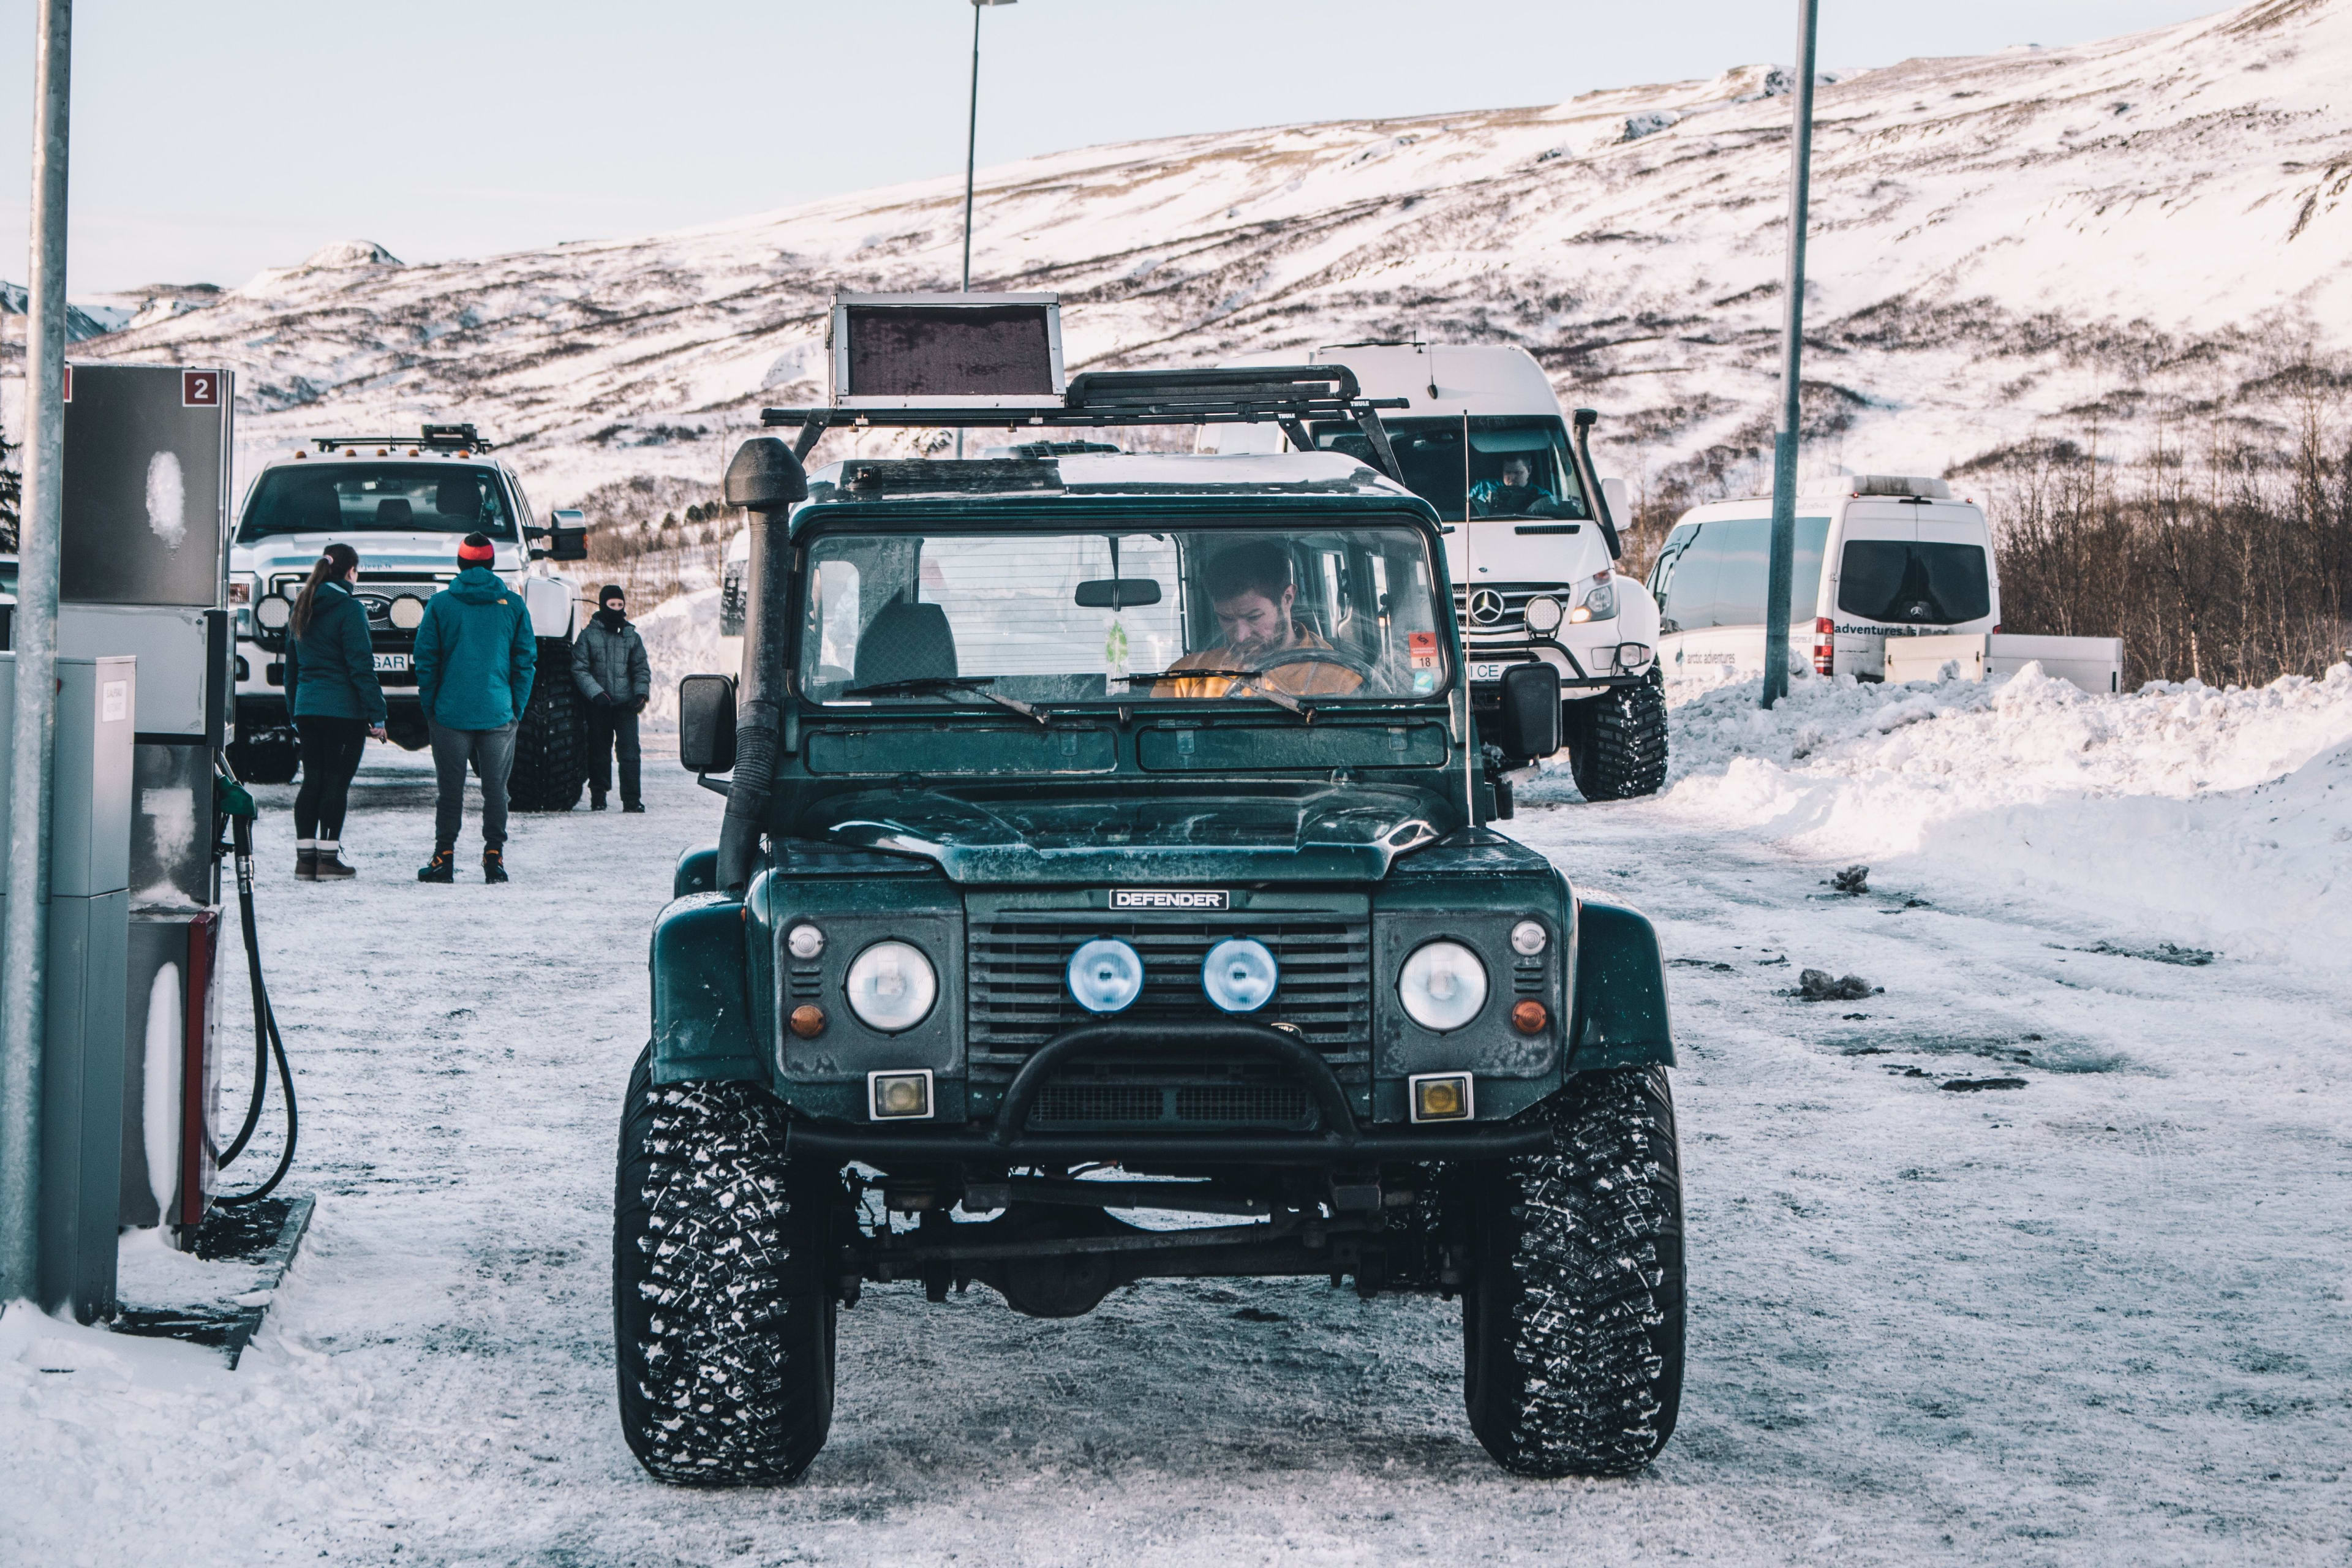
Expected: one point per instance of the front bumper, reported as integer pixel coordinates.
(1338, 1138)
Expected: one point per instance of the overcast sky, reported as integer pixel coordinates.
(214, 139)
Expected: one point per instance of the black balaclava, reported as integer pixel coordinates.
(613, 616)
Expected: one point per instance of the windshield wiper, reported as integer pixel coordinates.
(1255, 677)
(923, 684)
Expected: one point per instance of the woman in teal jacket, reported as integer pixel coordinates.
(337, 703)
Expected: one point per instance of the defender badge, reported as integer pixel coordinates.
(1170, 899)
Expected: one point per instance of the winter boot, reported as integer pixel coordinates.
(493, 864)
(329, 865)
(596, 800)
(442, 868)
(306, 860)
(636, 807)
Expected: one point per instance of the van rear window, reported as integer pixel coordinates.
(1914, 585)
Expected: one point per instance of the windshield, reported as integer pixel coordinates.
(1218, 614)
(360, 498)
(1512, 466)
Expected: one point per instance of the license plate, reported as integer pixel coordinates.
(387, 663)
(1492, 670)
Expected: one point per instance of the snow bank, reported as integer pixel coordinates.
(681, 639)
(2220, 818)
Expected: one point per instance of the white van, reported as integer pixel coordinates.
(1531, 541)
(1882, 557)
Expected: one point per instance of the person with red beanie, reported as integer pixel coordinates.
(475, 660)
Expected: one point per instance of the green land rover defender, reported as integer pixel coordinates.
(1109, 833)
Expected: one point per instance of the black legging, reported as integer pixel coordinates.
(330, 755)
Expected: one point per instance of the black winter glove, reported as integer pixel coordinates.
(601, 699)
(638, 706)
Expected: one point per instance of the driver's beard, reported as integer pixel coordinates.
(1256, 648)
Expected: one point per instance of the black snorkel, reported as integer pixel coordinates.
(767, 480)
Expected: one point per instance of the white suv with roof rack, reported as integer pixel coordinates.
(404, 503)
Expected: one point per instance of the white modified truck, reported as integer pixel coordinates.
(1894, 578)
(404, 503)
(1531, 539)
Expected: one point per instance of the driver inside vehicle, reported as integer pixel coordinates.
(1514, 494)
(1251, 590)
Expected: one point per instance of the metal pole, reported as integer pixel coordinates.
(1784, 435)
(971, 154)
(23, 924)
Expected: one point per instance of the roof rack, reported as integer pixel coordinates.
(1289, 396)
(439, 437)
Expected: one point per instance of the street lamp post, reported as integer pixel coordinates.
(23, 923)
(1776, 583)
(971, 153)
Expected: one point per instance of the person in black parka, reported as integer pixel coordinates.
(337, 703)
(610, 666)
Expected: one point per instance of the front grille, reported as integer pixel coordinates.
(1512, 624)
(1020, 1000)
(1193, 1094)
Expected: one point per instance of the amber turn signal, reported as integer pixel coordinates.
(808, 1021)
(1528, 1017)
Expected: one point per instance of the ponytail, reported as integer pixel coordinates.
(338, 560)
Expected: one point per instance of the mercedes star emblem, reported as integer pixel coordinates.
(1485, 606)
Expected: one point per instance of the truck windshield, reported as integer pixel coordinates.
(392, 498)
(1512, 466)
(1216, 613)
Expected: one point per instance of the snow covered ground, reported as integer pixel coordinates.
(2100, 1317)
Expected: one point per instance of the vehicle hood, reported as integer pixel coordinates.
(378, 552)
(1338, 833)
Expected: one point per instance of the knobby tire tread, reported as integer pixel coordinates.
(551, 760)
(1617, 749)
(1573, 1320)
(723, 1333)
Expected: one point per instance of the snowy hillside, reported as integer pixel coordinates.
(1998, 240)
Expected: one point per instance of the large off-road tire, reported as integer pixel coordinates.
(551, 760)
(722, 1323)
(272, 757)
(1617, 742)
(1572, 1312)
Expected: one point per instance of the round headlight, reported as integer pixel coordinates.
(1442, 985)
(1542, 614)
(1106, 975)
(273, 612)
(408, 612)
(1240, 974)
(891, 986)
(1528, 938)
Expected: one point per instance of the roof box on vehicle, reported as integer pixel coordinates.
(1901, 485)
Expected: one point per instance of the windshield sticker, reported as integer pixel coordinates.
(1169, 898)
(1424, 681)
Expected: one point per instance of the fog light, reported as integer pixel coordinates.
(1529, 937)
(1441, 1097)
(1106, 975)
(1528, 1017)
(1542, 614)
(273, 612)
(805, 942)
(406, 613)
(899, 1096)
(1240, 974)
(808, 1021)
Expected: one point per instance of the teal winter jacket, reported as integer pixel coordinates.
(474, 654)
(331, 668)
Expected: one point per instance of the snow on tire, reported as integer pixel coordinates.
(1617, 743)
(723, 1329)
(1572, 1318)
(551, 757)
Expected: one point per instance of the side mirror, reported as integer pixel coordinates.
(1620, 508)
(1530, 710)
(568, 536)
(706, 723)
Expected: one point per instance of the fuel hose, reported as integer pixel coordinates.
(236, 805)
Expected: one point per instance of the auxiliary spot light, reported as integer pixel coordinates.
(273, 612)
(1240, 974)
(1106, 975)
(406, 612)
